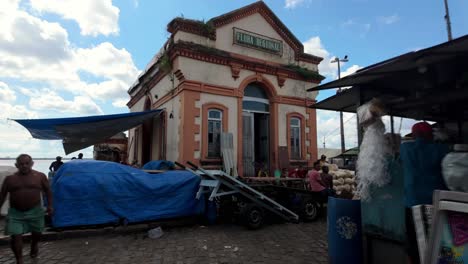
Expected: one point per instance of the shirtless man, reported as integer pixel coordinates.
(25, 214)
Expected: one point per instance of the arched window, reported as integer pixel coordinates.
(255, 99)
(295, 138)
(295, 123)
(215, 122)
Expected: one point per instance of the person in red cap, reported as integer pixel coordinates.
(421, 164)
(422, 130)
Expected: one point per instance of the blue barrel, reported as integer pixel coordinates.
(344, 231)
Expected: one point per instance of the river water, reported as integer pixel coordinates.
(39, 165)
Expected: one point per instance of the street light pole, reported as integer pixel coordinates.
(337, 60)
(447, 19)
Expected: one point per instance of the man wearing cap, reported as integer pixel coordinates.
(421, 163)
(54, 166)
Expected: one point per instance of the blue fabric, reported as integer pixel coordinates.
(159, 165)
(100, 192)
(47, 128)
(421, 163)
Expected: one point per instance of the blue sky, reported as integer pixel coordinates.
(78, 57)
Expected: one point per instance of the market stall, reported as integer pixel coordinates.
(429, 84)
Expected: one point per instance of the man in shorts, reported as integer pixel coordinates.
(26, 213)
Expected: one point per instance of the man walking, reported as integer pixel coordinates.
(25, 214)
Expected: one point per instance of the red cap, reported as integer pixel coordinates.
(422, 129)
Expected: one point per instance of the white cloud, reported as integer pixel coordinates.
(350, 70)
(121, 103)
(14, 138)
(388, 20)
(314, 46)
(6, 93)
(29, 37)
(107, 61)
(15, 111)
(57, 77)
(328, 126)
(94, 17)
(49, 100)
(37, 51)
(292, 3)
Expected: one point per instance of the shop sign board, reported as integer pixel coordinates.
(257, 41)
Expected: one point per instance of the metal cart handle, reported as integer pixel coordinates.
(179, 164)
(194, 167)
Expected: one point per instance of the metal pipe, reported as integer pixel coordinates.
(447, 19)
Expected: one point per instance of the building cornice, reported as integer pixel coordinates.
(236, 62)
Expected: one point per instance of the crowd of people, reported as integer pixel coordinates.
(55, 166)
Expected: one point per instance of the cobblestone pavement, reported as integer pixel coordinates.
(278, 243)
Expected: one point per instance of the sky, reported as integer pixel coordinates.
(66, 58)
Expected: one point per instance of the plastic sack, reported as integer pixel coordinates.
(372, 160)
(155, 233)
(455, 171)
(369, 112)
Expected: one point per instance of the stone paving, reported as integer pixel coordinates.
(276, 243)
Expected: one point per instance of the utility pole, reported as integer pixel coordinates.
(447, 19)
(337, 60)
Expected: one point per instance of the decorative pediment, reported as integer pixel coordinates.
(208, 29)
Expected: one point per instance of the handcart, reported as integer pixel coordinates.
(250, 202)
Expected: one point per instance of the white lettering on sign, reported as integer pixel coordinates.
(257, 41)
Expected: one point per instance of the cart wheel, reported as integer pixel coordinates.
(252, 216)
(309, 210)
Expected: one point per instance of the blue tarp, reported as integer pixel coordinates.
(159, 165)
(80, 132)
(101, 192)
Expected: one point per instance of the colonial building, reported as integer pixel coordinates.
(243, 73)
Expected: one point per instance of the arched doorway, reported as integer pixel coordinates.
(147, 132)
(255, 130)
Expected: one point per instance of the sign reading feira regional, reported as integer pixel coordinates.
(253, 40)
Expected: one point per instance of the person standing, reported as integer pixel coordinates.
(323, 160)
(54, 166)
(327, 180)
(421, 163)
(26, 213)
(315, 180)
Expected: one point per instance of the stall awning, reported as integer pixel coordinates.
(396, 71)
(430, 84)
(80, 132)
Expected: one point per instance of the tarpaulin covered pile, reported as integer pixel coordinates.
(101, 192)
(159, 165)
